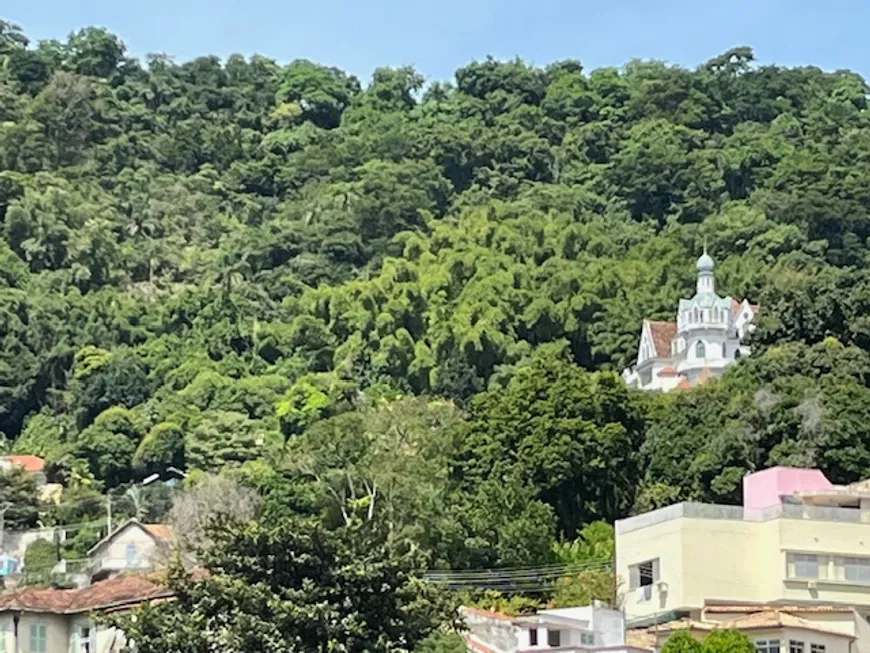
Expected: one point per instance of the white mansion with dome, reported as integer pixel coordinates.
(706, 337)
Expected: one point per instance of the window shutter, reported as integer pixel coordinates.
(655, 570)
(633, 577)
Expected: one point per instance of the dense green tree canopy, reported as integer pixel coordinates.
(406, 301)
(295, 587)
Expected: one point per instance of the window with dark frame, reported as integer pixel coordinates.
(644, 574)
(795, 647)
(554, 638)
(817, 648)
(533, 637)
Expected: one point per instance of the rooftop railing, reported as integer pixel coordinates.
(690, 510)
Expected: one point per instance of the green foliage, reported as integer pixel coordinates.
(406, 302)
(161, 448)
(596, 542)
(682, 641)
(728, 641)
(442, 642)
(40, 556)
(296, 587)
(571, 435)
(19, 493)
(583, 588)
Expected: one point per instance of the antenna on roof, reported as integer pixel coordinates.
(705, 244)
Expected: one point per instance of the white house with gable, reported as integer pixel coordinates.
(571, 630)
(707, 336)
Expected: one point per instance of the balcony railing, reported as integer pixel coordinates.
(690, 510)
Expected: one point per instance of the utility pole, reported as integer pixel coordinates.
(3, 508)
(108, 514)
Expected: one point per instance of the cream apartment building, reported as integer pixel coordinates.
(797, 540)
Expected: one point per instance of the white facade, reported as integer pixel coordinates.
(571, 630)
(706, 337)
(132, 547)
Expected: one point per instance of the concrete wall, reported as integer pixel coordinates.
(663, 541)
(56, 627)
(733, 559)
(832, 643)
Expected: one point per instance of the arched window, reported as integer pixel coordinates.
(700, 350)
(736, 354)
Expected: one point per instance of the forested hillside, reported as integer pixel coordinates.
(410, 299)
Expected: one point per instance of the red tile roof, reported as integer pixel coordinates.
(668, 370)
(735, 307)
(684, 384)
(159, 531)
(111, 593)
(662, 333)
(27, 462)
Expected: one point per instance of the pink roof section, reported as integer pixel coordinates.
(767, 487)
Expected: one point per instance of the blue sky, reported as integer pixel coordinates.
(437, 37)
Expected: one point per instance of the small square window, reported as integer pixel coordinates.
(554, 638)
(817, 648)
(587, 639)
(795, 647)
(644, 574)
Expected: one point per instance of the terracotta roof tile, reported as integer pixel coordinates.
(122, 590)
(27, 462)
(684, 384)
(668, 370)
(735, 306)
(491, 614)
(640, 638)
(662, 333)
(752, 608)
(159, 531)
(776, 619)
(763, 619)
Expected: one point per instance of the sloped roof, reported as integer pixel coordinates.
(668, 370)
(662, 333)
(764, 619)
(27, 462)
(160, 532)
(755, 607)
(114, 592)
(777, 619)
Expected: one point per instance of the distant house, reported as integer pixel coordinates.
(33, 465)
(770, 628)
(51, 620)
(707, 336)
(581, 629)
(132, 546)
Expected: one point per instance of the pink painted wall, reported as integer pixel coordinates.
(764, 488)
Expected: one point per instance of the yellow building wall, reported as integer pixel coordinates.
(663, 541)
(727, 560)
(57, 632)
(735, 560)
